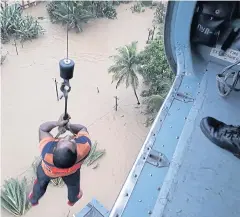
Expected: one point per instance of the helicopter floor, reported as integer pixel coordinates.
(203, 180)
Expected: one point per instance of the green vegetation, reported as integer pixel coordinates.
(94, 155)
(125, 67)
(160, 13)
(159, 17)
(14, 197)
(79, 12)
(151, 64)
(138, 7)
(104, 9)
(14, 25)
(155, 69)
(157, 76)
(58, 12)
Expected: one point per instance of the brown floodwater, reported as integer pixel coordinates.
(29, 98)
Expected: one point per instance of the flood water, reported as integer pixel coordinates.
(29, 99)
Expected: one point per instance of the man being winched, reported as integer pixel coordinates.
(61, 157)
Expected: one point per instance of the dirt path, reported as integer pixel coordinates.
(28, 99)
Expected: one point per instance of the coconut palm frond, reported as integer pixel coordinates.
(94, 155)
(120, 80)
(75, 13)
(14, 196)
(116, 68)
(125, 67)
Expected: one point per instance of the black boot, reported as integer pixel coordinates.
(221, 134)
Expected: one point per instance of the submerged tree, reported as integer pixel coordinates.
(155, 68)
(125, 68)
(157, 76)
(71, 12)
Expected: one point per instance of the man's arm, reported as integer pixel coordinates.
(45, 129)
(75, 128)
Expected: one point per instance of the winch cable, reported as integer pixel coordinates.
(68, 26)
(66, 73)
(225, 88)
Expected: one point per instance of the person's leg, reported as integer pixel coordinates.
(40, 186)
(73, 184)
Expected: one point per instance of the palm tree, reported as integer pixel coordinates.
(125, 67)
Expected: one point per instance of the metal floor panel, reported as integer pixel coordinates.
(203, 180)
(143, 198)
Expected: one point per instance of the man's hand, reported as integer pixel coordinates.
(75, 128)
(62, 122)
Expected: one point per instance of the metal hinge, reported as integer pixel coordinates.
(183, 97)
(157, 159)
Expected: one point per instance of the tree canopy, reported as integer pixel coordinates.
(154, 68)
(77, 12)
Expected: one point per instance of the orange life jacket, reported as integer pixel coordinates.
(47, 145)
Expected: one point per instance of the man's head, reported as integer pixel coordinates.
(65, 153)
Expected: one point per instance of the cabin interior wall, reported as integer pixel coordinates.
(212, 37)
